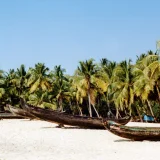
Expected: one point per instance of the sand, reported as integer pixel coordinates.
(40, 140)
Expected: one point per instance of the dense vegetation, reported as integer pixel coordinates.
(94, 89)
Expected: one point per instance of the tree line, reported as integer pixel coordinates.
(99, 89)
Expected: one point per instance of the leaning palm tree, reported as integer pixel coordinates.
(78, 94)
(122, 87)
(155, 75)
(107, 70)
(146, 75)
(87, 70)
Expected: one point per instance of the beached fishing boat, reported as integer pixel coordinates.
(20, 112)
(67, 119)
(133, 133)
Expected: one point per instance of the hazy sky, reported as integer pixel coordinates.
(64, 32)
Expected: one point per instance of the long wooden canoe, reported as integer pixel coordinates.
(20, 112)
(133, 133)
(67, 119)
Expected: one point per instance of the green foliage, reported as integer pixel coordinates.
(122, 88)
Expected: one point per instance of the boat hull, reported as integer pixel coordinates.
(67, 119)
(134, 133)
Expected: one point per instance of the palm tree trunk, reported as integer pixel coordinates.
(117, 113)
(96, 111)
(125, 111)
(60, 105)
(139, 113)
(80, 110)
(151, 110)
(158, 92)
(89, 101)
(109, 107)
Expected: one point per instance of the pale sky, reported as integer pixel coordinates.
(64, 32)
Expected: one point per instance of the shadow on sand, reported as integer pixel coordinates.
(68, 128)
(25, 119)
(124, 140)
(129, 140)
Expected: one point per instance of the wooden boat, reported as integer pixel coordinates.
(67, 119)
(20, 112)
(5, 115)
(133, 133)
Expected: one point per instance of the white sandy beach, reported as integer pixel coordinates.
(39, 140)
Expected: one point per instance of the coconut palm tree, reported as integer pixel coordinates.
(107, 68)
(146, 74)
(42, 99)
(155, 75)
(15, 82)
(21, 79)
(2, 89)
(61, 86)
(39, 78)
(78, 93)
(11, 87)
(122, 87)
(87, 71)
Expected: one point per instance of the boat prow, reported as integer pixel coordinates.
(20, 112)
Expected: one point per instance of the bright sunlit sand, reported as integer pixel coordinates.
(39, 140)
